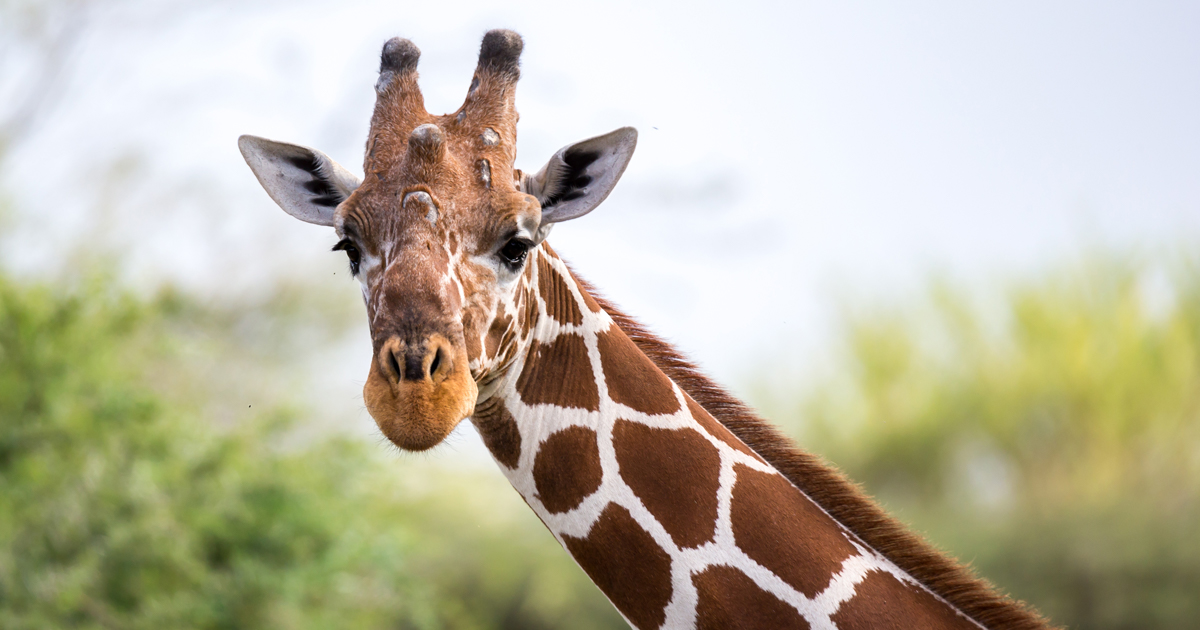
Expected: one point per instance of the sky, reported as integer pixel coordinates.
(792, 156)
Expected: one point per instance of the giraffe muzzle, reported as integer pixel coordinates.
(417, 392)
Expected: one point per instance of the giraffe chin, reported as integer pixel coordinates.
(418, 415)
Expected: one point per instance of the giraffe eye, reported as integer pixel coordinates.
(513, 253)
(351, 252)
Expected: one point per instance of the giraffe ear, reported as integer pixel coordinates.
(303, 181)
(579, 176)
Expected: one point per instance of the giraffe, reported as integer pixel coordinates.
(685, 508)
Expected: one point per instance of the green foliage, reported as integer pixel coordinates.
(1050, 435)
(120, 507)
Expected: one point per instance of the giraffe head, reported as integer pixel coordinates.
(438, 230)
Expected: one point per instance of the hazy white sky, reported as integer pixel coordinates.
(790, 153)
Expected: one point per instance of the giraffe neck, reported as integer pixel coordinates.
(675, 519)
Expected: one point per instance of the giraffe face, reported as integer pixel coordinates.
(437, 231)
(435, 257)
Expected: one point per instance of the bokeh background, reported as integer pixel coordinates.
(951, 247)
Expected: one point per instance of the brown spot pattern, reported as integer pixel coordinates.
(716, 429)
(526, 305)
(559, 373)
(628, 566)
(500, 435)
(781, 529)
(633, 379)
(675, 472)
(730, 599)
(881, 602)
(584, 289)
(567, 468)
(560, 304)
(519, 307)
(498, 334)
(830, 489)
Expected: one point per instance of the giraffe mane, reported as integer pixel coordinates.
(842, 498)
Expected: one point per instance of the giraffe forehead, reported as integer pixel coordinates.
(454, 209)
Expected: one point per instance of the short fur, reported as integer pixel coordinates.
(844, 500)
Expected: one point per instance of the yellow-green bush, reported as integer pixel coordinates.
(1049, 433)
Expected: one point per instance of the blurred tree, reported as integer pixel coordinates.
(1050, 435)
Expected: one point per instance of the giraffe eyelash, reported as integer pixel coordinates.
(352, 253)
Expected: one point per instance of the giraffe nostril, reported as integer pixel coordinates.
(441, 365)
(437, 360)
(394, 364)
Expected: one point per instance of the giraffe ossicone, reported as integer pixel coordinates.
(686, 509)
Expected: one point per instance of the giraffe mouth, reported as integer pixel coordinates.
(418, 393)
